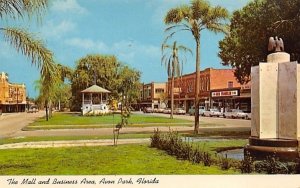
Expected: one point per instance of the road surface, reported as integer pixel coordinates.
(11, 126)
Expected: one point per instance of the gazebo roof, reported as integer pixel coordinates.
(95, 89)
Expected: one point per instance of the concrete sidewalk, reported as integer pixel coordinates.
(71, 143)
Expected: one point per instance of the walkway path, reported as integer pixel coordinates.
(71, 143)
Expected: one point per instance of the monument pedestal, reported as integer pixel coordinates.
(275, 107)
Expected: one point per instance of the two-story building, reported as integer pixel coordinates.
(153, 95)
(218, 89)
(12, 96)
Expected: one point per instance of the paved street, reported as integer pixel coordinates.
(11, 125)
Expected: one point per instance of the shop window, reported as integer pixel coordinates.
(230, 84)
(159, 90)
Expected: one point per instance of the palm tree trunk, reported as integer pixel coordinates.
(47, 115)
(172, 97)
(197, 87)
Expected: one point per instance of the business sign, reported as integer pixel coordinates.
(224, 93)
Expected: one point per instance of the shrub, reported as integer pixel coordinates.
(246, 165)
(271, 165)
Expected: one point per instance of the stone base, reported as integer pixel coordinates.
(284, 149)
(278, 57)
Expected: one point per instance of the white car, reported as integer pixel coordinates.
(212, 113)
(248, 116)
(179, 111)
(167, 111)
(235, 113)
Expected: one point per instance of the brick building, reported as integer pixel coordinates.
(12, 96)
(153, 95)
(218, 89)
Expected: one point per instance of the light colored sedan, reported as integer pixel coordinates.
(248, 116)
(180, 111)
(167, 111)
(235, 113)
(241, 114)
(213, 113)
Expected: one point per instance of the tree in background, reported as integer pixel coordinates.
(194, 18)
(26, 43)
(170, 57)
(129, 85)
(62, 88)
(107, 72)
(129, 90)
(250, 29)
(102, 70)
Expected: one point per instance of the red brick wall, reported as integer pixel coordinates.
(210, 79)
(221, 77)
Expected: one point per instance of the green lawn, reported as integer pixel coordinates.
(109, 160)
(73, 120)
(213, 145)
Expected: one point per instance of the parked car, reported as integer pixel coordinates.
(33, 109)
(160, 110)
(248, 116)
(213, 113)
(191, 111)
(155, 110)
(167, 111)
(148, 110)
(180, 111)
(235, 113)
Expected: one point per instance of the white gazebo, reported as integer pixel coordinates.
(91, 106)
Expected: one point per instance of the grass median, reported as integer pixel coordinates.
(109, 160)
(76, 121)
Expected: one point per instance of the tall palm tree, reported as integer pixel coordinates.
(171, 60)
(194, 18)
(26, 43)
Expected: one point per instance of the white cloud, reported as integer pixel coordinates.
(53, 30)
(68, 6)
(87, 44)
(125, 50)
(128, 50)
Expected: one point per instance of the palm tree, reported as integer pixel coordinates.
(172, 62)
(199, 15)
(26, 43)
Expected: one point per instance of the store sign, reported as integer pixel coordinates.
(224, 93)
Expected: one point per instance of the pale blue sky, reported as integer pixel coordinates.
(133, 30)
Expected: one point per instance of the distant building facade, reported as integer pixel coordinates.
(218, 89)
(153, 95)
(12, 96)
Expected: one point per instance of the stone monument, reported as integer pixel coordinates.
(275, 106)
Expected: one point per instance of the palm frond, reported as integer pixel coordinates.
(200, 9)
(174, 15)
(169, 68)
(22, 8)
(34, 49)
(27, 45)
(185, 49)
(173, 33)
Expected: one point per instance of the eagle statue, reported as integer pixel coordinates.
(275, 45)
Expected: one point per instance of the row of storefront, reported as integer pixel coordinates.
(218, 89)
